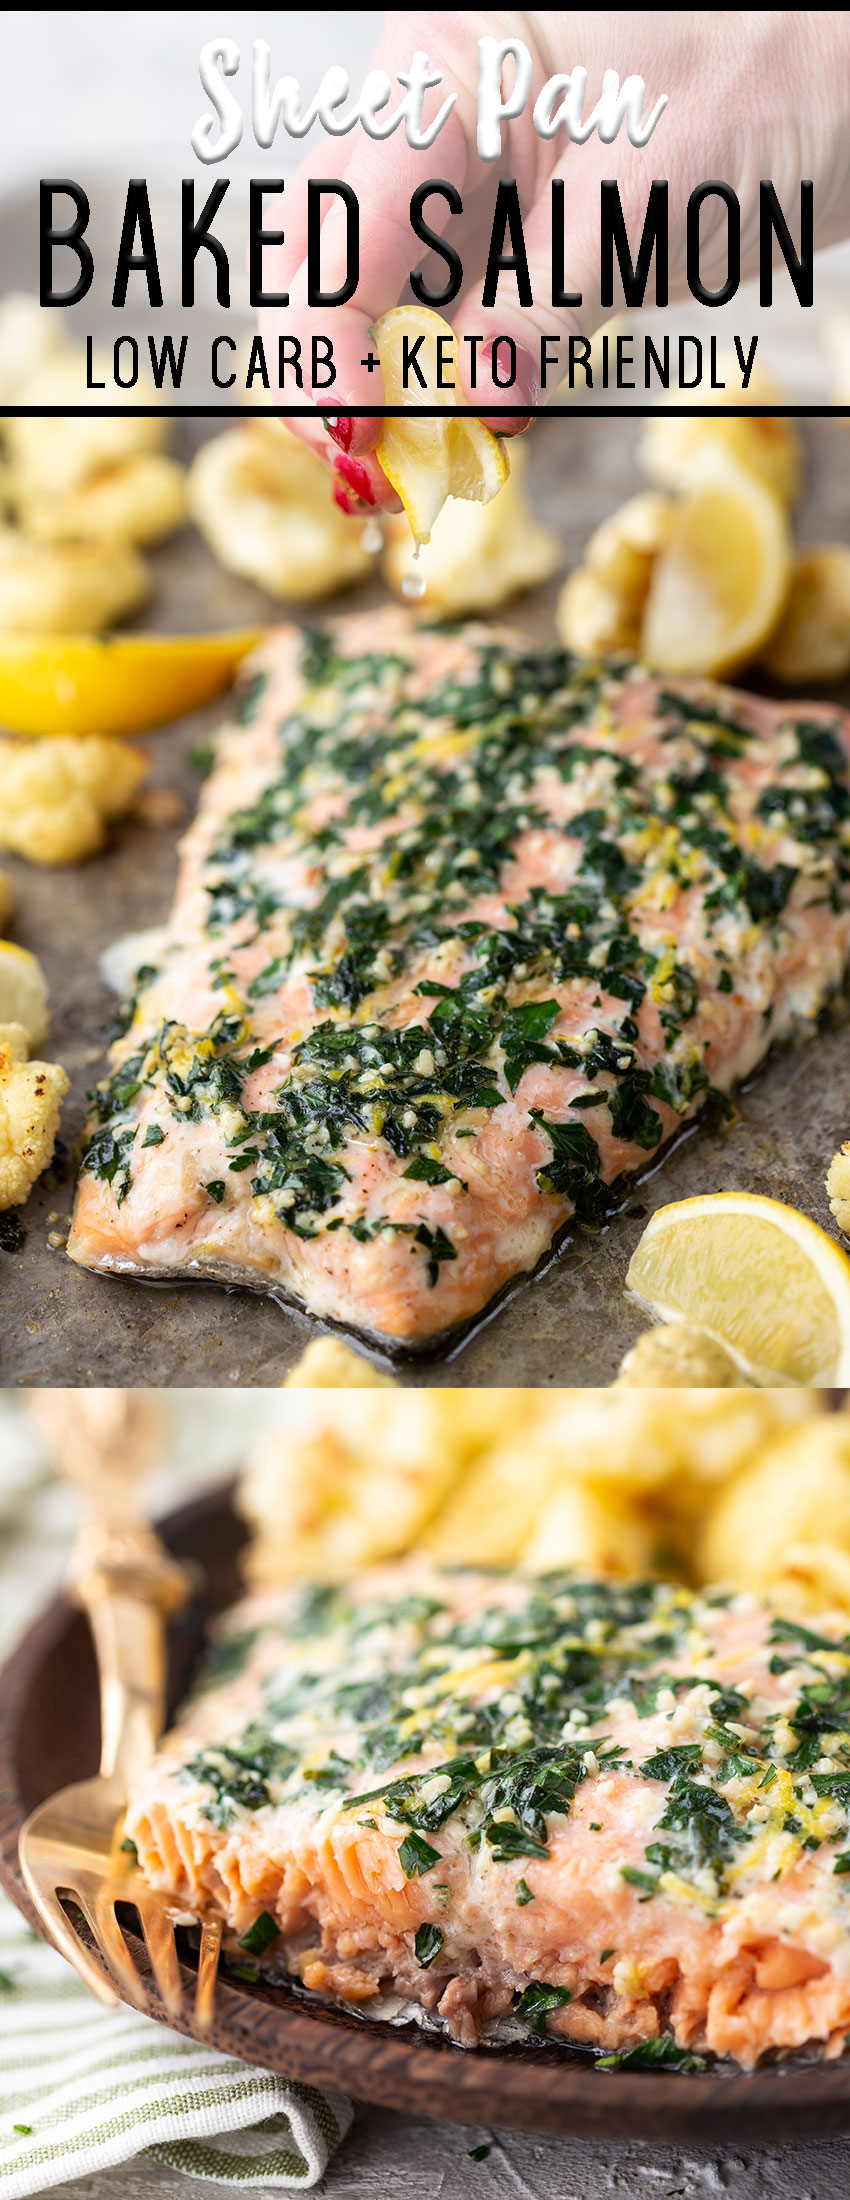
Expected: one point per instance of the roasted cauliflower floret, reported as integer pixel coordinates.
(31, 1095)
(681, 1357)
(53, 455)
(30, 338)
(330, 1364)
(57, 796)
(335, 1487)
(140, 500)
(769, 445)
(602, 601)
(590, 1524)
(264, 504)
(67, 587)
(812, 639)
(781, 1526)
(838, 1187)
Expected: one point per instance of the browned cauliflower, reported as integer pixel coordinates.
(140, 500)
(58, 795)
(679, 1357)
(31, 1094)
(67, 587)
(838, 1187)
(262, 502)
(52, 454)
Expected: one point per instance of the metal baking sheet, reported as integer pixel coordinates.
(569, 1324)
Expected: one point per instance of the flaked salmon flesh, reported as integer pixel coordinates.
(464, 931)
(616, 1813)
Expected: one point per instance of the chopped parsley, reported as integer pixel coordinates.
(661, 2053)
(427, 1942)
(416, 1856)
(537, 2002)
(260, 1935)
(444, 786)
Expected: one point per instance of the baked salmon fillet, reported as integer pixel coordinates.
(464, 931)
(613, 1812)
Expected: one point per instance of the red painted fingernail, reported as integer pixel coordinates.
(356, 478)
(346, 503)
(341, 430)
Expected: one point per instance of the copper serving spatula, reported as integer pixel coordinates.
(120, 1573)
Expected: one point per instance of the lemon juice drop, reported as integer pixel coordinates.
(413, 583)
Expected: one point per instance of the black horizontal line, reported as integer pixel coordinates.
(421, 412)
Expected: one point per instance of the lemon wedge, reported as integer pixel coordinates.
(126, 683)
(426, 461)
(763, 1279)
(718, 587)
(23, 991)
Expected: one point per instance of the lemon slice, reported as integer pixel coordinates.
(718, 587)
(118, 684)
(763, 1279)
(23, 991)
(426, 461)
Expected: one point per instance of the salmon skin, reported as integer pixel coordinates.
(464, 931)
(612, 1812)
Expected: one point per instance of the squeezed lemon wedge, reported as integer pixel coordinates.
(426, 461)
(126, 683)
(719, 584)
(23, 991)
(763, 1279)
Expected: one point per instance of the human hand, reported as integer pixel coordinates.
(750, 95)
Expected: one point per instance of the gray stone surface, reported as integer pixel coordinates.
(391, 2157)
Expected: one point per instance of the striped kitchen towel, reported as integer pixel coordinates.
(83, 2088)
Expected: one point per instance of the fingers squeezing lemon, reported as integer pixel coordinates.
(428, 460)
